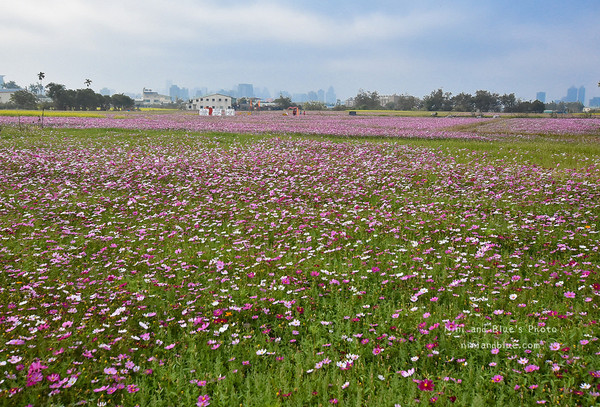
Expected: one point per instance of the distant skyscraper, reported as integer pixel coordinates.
(541, 96)
(571, 95)
(321, 95)
(175, 92)
(330, 97)
(245, 90)
(1, 80)
(581, 95)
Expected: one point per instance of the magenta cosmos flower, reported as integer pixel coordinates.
(426, 385)
(203, 401)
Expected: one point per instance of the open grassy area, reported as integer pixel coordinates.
(170, 267)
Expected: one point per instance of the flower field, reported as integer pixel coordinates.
(324, 123)
(162, 263)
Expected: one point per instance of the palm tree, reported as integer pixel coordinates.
(88, 82)
(41, 76)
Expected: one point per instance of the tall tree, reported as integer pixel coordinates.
(283, 102)
(463, 102)
(367, 100)
(41, 77)
(508, 102)
(407, 102)
(486, 101)
(10, 85)
(24, 99)
(438, 100)
(58, 94)
(121, 101)
(88, 82)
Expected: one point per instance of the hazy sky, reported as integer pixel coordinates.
(396, 46)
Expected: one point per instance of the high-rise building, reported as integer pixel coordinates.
(581, 95)
(321, 95)
(571, 95)
(245, 90)
(1, 80)
(595, 102)
(330, 97)
(541, 96)
(175, 92)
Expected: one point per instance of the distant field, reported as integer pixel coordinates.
(50, 113)
(177, 260)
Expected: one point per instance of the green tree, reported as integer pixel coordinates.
(35, 88)
(86, 99)
(10, 85)
(58, 94)
(314, 105)
(508, 102)
(367, 100)
(438, 100)
(24, 99)
(120, 101)
(41, 77)
(105, 102)
(463, 102)
(538, 106)
(407, 102)
(486, 101)
(283, 102)
(88, 82)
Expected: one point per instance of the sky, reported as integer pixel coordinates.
(402, 47)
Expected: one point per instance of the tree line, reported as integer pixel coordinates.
(481, 101)
(63, 98)
(86, 99)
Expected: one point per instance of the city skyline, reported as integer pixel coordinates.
(243, 90)
(401, 47)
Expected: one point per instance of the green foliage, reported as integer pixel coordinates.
(283, 102)
(86, 99)
(485, 101)
(123, 224)
(438, 100)
(24, 99)
(365, 100)
(122, 102)
(10, 85)
(314, 105)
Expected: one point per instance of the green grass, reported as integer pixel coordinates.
(138, 219)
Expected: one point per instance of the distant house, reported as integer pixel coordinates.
(5, 94)
(152, 98)
(216, 101)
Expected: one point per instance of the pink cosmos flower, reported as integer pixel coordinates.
(498, 378)
(569, 294)
(132, 388)
(531, 368)
(203, 401)
(426, 385)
